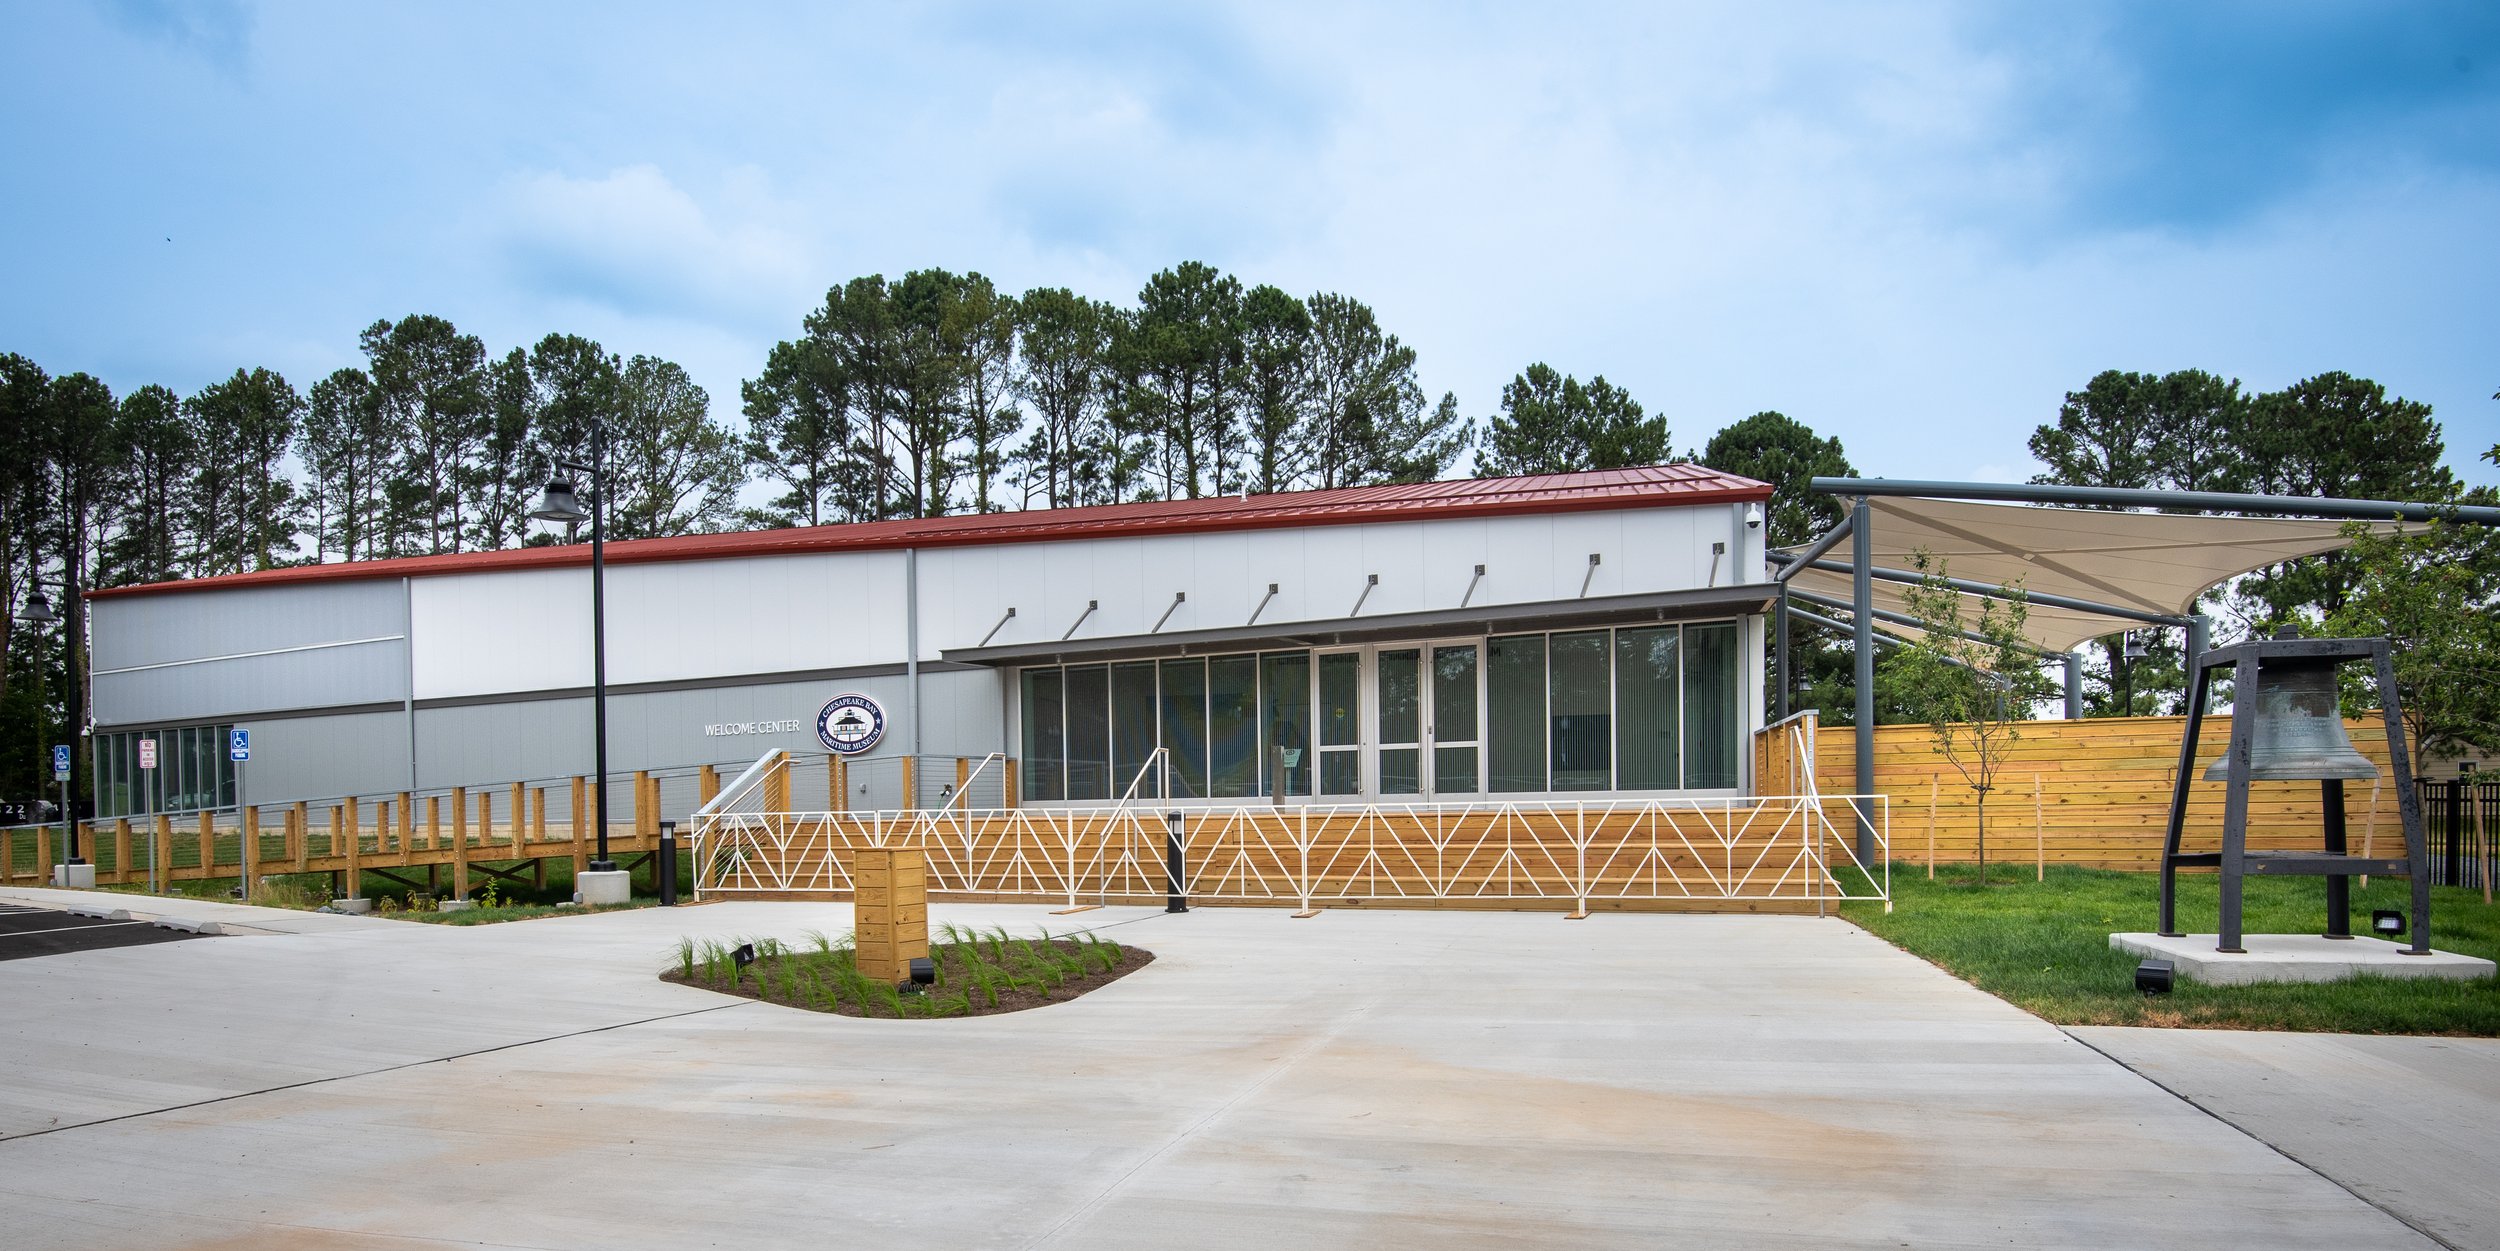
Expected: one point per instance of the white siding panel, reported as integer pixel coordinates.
(514, 630)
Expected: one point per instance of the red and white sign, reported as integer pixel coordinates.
(147, 753)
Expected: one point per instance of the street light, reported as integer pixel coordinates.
(39, 614)
(563, 504)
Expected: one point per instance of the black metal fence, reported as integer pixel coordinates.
(2460, 817)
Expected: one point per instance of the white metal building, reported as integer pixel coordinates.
(1521, 637)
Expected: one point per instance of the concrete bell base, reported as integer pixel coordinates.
(74, 876)
(357, 907)
(2296, 958)
(455, 905)
(614, 886)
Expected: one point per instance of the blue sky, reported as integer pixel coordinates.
(1913, 226)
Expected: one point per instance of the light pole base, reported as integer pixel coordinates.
(75, 876)
(611, 886)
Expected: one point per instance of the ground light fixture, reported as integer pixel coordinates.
(2154, 977)
(2387, 922)
(923, 971)
(562, 503)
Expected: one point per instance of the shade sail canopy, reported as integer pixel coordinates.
(2153, 563)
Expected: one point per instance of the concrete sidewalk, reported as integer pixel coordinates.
(1361, 1079)
(2411, 1124)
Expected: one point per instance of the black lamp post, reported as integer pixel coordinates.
(562, 504)
(39, 613)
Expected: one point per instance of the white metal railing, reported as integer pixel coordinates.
(1771, 847)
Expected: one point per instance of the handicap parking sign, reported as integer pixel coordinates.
(240, 746)
(60, 762)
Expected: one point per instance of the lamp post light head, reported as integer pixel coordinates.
(559, 504)
(39, 609)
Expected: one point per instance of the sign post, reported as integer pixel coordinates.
(69, 820)
(157, 880)
(239, 750)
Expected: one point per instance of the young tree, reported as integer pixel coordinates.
(1550, 423)
(671, 469)
(2435, 596)
(1974, 692)
(430, 381)
(1063, 374)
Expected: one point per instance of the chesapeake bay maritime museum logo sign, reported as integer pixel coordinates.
(850, 724)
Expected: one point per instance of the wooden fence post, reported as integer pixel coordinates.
(963, 782)
(434, 822)
(161, 860)
(208, 844)
(1009, 794)
(838, 781)
(251, 849)
(43, 855)
(520, 808)
(299, 818)
(459, 842)
(121, 848)
(355, 848)
(407, 823)
(706, 785)
(911, 783)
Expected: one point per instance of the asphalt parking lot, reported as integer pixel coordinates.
(29, 932)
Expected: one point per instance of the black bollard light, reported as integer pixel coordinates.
(668, 864)
(2154, 977)
(1175, 900)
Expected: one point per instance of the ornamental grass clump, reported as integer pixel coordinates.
(978, 972)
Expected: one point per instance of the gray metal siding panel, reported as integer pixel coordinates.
(152, 629)
(296, 758)
(372, 673)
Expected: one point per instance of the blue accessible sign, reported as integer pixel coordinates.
(239, 744)
(60, 762)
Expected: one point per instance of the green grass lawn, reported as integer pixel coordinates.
(2044, 947)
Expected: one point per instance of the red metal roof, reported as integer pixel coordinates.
(1650, 486)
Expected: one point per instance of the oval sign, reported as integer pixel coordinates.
(850, 724)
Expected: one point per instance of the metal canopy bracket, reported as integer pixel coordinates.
(1090, 606)
(1002, 624)
(1369, 581)
(1178, 598)
(1588, 577)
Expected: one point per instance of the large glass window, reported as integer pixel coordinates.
(1285, 722)
(1581, 704)
(192, 771)
(1646, 709)
(1045, 735)
(1185, 725)
(1514, 698)
(1710, 729)
(1089, 732)
(1641, 708)
(1132, 728)
(1233, 725)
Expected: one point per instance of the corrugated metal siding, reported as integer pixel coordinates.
(209, 657)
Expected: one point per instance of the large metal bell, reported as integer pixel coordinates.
(2299, 731)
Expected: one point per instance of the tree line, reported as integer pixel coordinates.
(938, 393)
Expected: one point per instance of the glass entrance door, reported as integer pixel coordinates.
(1454, 726)
(1400, 709)
(1340, 717)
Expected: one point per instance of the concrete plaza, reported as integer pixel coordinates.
(1368, 1079)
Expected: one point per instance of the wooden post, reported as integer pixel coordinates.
(1931, 827)
(251, 849)
(434, 822)
(300, 817)
(642, 803)
(2040, 831)
(1007, 797)
(706, 785)
(355, 813)
(838, 781)
(208, 844)
(121, 848)
(407, 822)
(538, 814)
(43, 855)
(520, 808)
(161, 860)
(777, 789)
(355, 883)
(911, 783)
(459, 842)
(581, 828)
(963, 782)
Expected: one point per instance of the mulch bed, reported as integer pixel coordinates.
(1010, 998)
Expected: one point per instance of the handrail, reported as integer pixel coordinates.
(754, 775)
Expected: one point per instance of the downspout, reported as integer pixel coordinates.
(911, 653)
(1862, 596)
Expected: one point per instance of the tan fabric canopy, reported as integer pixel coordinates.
(2149, 562)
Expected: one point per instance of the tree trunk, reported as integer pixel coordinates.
(1983, 837)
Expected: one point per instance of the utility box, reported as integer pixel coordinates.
(889, 911)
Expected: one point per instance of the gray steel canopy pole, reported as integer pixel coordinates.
(1862, 591)
(2074, 687)
(2126, 497)
(1780, 651)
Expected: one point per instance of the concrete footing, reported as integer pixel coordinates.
(74, 876)
(455, 905)
(614, 886)
(2296, 958)
(354, 907)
